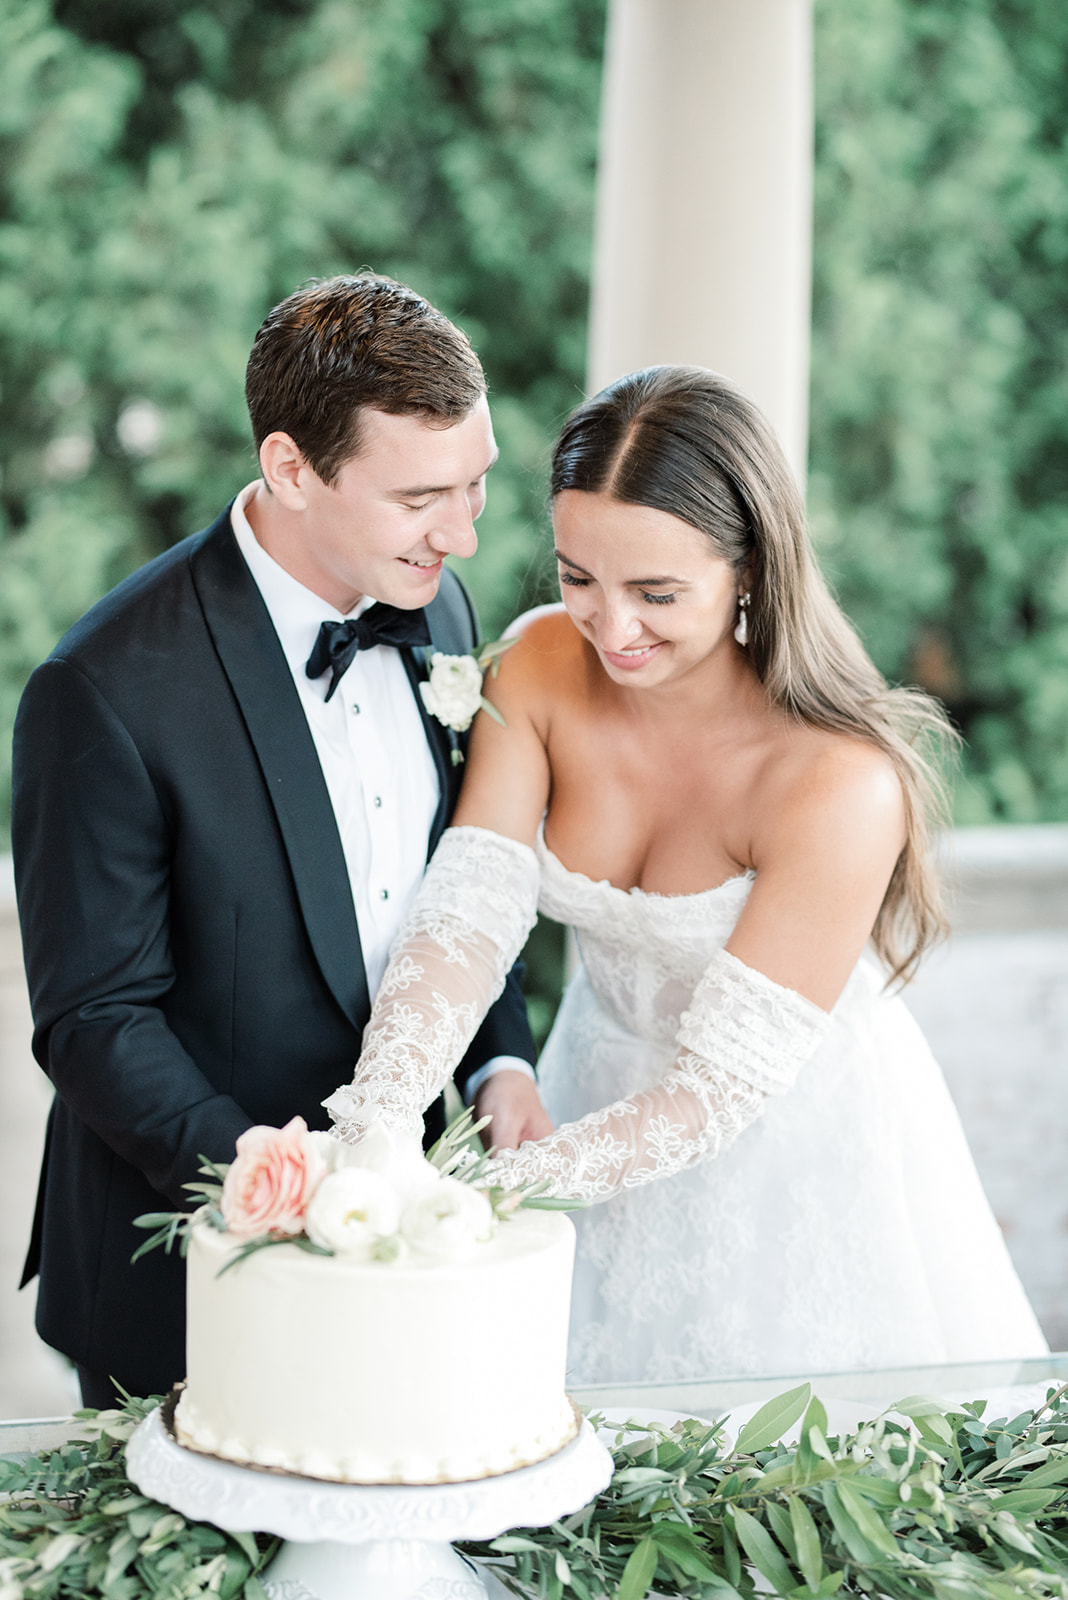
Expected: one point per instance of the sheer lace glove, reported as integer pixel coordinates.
(448, 964)
(742, 1039)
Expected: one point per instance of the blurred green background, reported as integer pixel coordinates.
(170, 170)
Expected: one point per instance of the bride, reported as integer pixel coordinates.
(701, 772)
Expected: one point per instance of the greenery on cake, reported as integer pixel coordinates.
(923, 1503)
(378, 1200)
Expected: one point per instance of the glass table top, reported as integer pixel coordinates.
(870, 1391)
(854, 1395)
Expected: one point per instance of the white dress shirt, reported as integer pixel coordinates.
(372, 748)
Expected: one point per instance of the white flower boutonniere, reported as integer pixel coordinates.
(453, 691)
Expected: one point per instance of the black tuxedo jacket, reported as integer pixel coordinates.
(190, 940)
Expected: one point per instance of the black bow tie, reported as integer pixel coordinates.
(338, 642)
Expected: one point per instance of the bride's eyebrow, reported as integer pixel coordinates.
(632, 583)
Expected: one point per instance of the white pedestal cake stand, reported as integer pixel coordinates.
(350, 1542)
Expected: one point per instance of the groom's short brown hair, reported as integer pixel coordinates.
(341, 344)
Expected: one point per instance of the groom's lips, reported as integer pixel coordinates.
(429, 571)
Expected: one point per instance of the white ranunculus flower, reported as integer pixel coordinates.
(351, 1211)
(453, 691)
(449, 1222)
(334, 1152)
(396, 1156)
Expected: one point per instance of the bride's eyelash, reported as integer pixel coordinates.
(583, 583)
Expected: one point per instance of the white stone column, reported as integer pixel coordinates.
(703, 238)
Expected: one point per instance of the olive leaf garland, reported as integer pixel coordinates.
(73, 1527)
(923, 1503)
(926, 1504)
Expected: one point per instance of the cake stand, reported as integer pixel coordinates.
(351, 1542)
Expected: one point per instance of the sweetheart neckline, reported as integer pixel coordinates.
(637, 892)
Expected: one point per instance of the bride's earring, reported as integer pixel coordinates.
(741, 629)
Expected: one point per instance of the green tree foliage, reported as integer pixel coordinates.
(170, 172)
(940, 368)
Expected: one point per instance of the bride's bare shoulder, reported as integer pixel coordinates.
(547, 648)
(816, 782)
(545, 628)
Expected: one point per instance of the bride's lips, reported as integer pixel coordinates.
(632, 660)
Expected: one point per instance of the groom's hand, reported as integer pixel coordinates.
(511, 1099)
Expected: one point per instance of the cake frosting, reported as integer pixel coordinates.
(354, 1369)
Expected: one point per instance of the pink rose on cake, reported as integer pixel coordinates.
(271, 1180)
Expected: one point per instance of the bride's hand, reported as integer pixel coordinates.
(512, 1100)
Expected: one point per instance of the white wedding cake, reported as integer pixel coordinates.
(429, 1348)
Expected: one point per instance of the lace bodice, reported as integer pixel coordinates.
(740, 1037)
(644, 954)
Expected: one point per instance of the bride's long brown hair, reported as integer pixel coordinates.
(684, 440)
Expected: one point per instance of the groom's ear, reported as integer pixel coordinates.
(283, 465)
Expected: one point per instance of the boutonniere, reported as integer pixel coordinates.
(453, 691)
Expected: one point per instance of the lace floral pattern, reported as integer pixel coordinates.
(450, 959)
(675, 935)
(743, 1038)
(846, 1228)
(814, 1242)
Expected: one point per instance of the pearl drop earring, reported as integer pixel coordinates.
(741, 630)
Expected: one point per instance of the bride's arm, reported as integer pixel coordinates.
(466, 927)
(469, 920)
(825, 841)
(743, 1038)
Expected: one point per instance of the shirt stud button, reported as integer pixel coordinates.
(378, 801)
(383, 894)
(355, 711)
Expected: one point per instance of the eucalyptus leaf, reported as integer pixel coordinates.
(806, 1542)
(1024, 1503)
(491, 710)
(781, 1526)
(846, 1528)
(919, 1405)
(773, 1419)
(1052, 1471)
(763, 1552)
(639, 1570)
(870, 1524)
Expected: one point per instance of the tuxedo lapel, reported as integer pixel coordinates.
(452, 632)
(438, 739)
(252, 659)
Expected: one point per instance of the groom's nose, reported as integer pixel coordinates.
(454, 529)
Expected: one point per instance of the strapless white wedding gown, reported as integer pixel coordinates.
(846, 1228)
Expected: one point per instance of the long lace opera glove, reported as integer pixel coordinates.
(448, 964)
(743, 1038)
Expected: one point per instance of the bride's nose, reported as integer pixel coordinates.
(620, 626)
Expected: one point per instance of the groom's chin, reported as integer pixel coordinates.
(416, 586)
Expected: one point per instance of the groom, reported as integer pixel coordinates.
(226, 788)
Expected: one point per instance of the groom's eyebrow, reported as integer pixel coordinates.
(632, 583)
(439, 488)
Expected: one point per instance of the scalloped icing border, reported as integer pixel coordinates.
(188, 1441)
